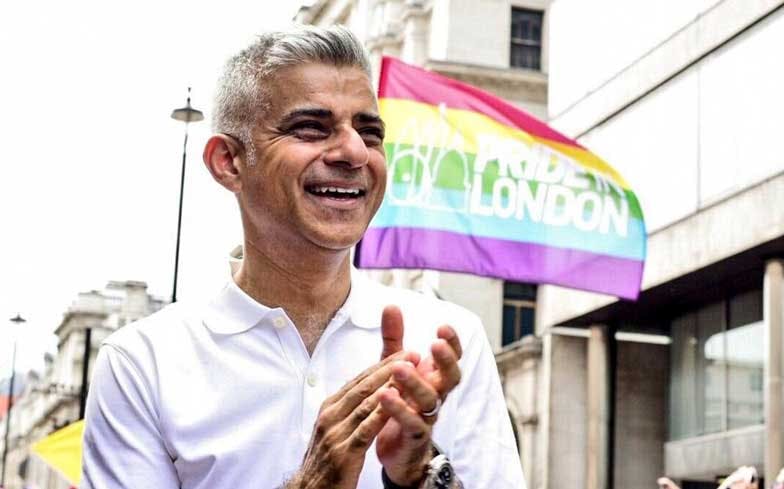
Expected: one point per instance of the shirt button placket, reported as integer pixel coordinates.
(279, 322)
(314, 393)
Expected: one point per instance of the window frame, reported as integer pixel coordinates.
(522, 43)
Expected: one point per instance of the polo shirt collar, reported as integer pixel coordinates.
(232, 311)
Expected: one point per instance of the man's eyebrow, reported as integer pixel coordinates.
(369, 118)
(297, 113)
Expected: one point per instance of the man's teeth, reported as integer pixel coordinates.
(324, 190)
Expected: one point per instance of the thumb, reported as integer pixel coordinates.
(391, 331)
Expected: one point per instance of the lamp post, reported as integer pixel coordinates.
(17, 320)
(187, 115)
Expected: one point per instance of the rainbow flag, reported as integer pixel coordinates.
(476, 185)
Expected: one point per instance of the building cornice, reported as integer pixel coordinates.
(308, 13)
(526, 84)
(528, 348)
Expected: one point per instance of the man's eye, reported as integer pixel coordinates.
(372, 135)
(309, 130)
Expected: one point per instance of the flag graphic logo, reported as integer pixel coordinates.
(475, 185)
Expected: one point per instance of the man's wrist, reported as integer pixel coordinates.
(438, 474)
(415, 477)
(390, 484)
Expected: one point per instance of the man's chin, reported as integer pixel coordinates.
(337, 242)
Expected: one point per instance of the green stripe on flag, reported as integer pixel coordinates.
(454, 170)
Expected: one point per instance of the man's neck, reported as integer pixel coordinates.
(310, 289)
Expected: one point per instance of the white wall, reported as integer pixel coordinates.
(477, 31)
(654, 146)
(741, 110)
(709, 132)
(483, 296)
(591, 41)
(485, 42)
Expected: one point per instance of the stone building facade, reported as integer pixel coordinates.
(55, 400)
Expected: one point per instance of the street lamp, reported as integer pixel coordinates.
(17, 320)
(187, 115)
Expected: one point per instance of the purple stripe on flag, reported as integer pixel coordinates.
(509, 260)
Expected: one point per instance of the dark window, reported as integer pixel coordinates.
(518, 314)
(526, 48)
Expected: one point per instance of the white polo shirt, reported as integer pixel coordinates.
(226, 395)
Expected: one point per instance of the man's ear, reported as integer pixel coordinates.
(222, 155)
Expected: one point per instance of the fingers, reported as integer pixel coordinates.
(414, 428)
(412, 357)
(417, 389)
(448, 371)
(362, 390)
(391, 331)
(368, 429)
(446, 332)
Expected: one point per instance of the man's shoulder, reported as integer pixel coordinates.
(164, 328)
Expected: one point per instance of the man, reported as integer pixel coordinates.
(277, 382)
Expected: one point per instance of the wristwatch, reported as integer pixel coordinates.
(439, 474)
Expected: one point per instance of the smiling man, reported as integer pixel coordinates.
(298, 374)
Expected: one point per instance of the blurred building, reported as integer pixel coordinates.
(55, 399)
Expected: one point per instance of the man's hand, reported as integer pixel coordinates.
(403, 445)
(347, 424)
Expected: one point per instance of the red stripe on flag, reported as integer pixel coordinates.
(403, 81)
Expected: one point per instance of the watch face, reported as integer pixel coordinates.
(445, 477)
(442, 475)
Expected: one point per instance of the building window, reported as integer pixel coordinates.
(717, 360)
(526, 47)
(519, 306)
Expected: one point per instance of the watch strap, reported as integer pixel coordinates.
(389, 484)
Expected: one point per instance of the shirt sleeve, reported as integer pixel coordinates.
(122, 446)
(484, 454)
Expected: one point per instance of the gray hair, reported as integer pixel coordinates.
(242, 94)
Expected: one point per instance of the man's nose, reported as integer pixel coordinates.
(349, 150)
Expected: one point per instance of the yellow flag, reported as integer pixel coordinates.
(62, 450)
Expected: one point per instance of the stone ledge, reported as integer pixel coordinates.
(715, 453)
(513, 355)
(506, 82)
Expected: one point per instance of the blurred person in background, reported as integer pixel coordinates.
(779, 482)
(744, 477)
(666, 483)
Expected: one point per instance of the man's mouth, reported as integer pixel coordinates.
(340, 193)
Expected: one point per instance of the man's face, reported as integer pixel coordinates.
(320, 169)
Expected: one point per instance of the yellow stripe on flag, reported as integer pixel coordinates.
(417, 123)
(62, 450)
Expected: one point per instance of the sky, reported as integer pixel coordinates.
(91, 159)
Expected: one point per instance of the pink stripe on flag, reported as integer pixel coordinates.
(404, 81)
(509, 260)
